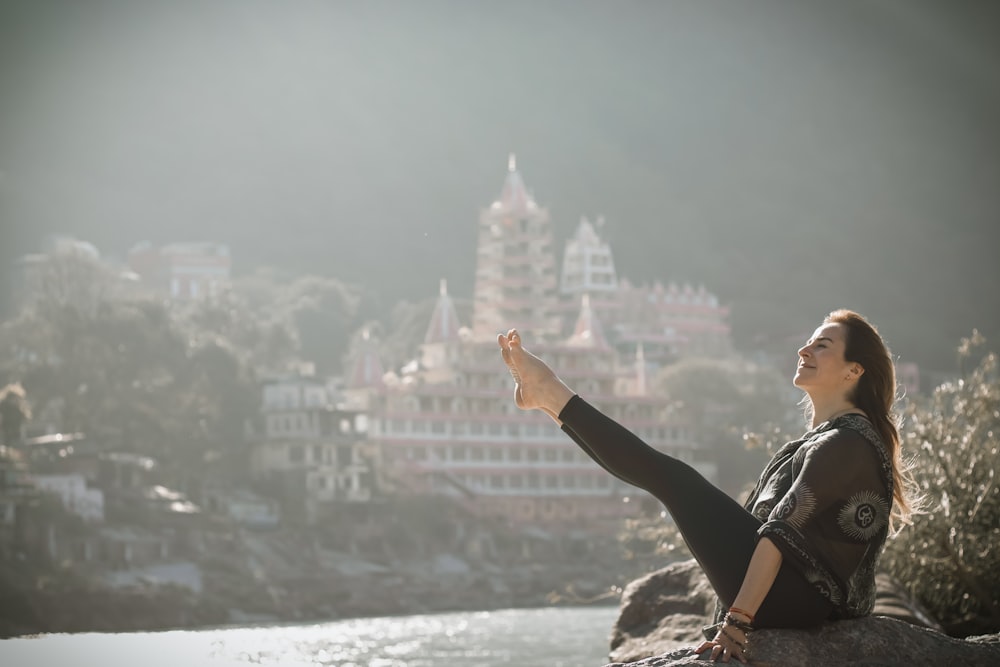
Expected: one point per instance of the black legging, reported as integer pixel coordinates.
(720, 534)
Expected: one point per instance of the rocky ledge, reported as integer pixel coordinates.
(662, 615)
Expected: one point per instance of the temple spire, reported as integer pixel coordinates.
(514, 197)
(588, 331)
(444, 325)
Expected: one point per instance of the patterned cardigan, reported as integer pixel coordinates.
(824, 501)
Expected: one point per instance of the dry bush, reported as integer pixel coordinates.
(949, 557)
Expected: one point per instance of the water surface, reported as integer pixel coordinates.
(549, 637)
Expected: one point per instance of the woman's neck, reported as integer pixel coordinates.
(824, 412)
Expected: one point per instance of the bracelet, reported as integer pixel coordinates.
(737, 610)
(736, 623)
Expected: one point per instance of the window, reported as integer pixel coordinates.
(344, 456)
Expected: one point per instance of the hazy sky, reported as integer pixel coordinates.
(360, 139)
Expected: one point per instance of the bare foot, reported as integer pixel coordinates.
(535, 385)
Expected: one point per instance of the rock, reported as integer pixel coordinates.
(873, 640)
(661, 612)
(662, 615)
(894, 601)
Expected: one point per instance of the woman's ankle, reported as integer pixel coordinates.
(556, 397)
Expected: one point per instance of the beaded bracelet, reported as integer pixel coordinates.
(736, 623)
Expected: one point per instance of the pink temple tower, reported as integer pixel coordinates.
(516, 283)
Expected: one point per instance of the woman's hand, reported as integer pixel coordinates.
(535, 385)
(729, 642)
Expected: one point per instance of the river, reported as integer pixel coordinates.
(548, 637)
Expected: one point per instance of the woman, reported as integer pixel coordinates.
(804, 547)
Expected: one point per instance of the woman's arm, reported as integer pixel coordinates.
(763, 568)
(731, 640)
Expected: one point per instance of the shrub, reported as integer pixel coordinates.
(949, 557)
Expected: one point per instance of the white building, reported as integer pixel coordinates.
(588, 265)
(72, 491)
(313, 449)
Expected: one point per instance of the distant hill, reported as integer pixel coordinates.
(793, 157)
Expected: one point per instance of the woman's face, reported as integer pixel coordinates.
(822, 366)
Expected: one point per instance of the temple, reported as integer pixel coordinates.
(446, 422)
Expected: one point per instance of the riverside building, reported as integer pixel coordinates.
(446, 423)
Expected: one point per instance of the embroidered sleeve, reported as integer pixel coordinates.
(837, 504)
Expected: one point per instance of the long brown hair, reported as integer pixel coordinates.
(875, 394)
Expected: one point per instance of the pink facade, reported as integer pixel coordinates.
(447, 423)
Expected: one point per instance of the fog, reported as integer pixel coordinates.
(793, 157)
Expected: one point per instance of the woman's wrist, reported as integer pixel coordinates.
(741, 613)
(739, 619)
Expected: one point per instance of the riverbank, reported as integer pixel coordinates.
(287, 576)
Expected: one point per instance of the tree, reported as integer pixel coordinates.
(129, 371)
(950, 556)
(735, 408)
(254, 327)
(14, 412)
(304, 318)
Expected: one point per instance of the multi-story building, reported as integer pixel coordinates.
(74, 493)
(182, 270)
(670, 322)
(447, 423)
(588, 264)
(516, 282)
(312, 452)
